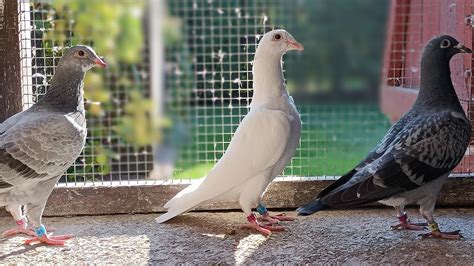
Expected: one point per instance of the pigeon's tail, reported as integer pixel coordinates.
(171, 214)
(312, 207)
(184, 201)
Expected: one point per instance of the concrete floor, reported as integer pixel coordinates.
(350, 237)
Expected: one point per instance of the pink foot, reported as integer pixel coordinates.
(409, 226)
(22, 228)
(455, 235)
(406, 225)
(265, 229)
(274, 219)
(22, 231)
(49, 240)
(19, 230)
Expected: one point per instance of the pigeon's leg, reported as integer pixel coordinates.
(22, 226)
(427, 209)
(405, 224)
(34, 212)
(272, 219)
(246, 202)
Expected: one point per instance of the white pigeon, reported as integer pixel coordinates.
(39, 144)
(261, 147)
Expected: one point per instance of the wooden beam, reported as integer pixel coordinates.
(10, 70)
(106, 200)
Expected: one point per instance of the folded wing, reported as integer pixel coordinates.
(38, 148)
(257, 145)
(428, 148)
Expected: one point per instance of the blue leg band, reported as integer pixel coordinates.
(261, 209)
(40, 231)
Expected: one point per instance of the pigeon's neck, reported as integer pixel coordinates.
(436, 88)
(65, 93)
(268, 79)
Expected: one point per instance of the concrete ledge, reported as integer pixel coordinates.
(125, 199)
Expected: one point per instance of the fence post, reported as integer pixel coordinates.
(10, 69)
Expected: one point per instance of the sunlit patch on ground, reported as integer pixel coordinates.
(358, 237)
(247, 246)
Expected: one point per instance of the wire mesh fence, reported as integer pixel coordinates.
(43, 35)
(412, 24)
(208, 50)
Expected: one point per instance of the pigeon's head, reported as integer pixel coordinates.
(279, 42)
(81, 58)
(444, 48)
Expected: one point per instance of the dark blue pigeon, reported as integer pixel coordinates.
(414, 159)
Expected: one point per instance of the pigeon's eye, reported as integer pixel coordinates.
(445, 43)
(81, 53)
(277, 37)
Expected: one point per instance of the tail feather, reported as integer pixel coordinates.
(312, 207)
(316, 204)
(173, 212)
(183, 194)
(184, 201)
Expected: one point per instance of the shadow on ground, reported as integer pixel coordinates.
(354, 237)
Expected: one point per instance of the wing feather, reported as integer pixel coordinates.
(257, 145)
(430, 147)
(38, 148)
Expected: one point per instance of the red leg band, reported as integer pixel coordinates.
(251, 218)
(403, 219)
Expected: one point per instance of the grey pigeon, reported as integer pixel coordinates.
(39, 144)
(414, 159)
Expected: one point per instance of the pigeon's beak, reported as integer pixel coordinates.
(462, 48)
(294, 45)
(99, 61)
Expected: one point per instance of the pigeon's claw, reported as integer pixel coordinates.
(409, 226)
(436, 233)
(265, 229)
(455, 235)
(19, 230)
(260, 228)
(274, 228)
(274, 219)
(49, 240)
(268, 218)
(405, 224)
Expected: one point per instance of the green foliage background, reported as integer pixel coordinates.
(344, 43)
(341, 63)
(115, 30)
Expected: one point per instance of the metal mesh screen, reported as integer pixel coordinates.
(209, 46)
(106, 157)
(222, 37)
(412, 24)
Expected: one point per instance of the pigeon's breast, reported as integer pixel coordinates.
(78, 121)
(290, 109)
(79, 118)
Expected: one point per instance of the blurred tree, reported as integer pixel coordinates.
(343, 47)
(116, 30)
